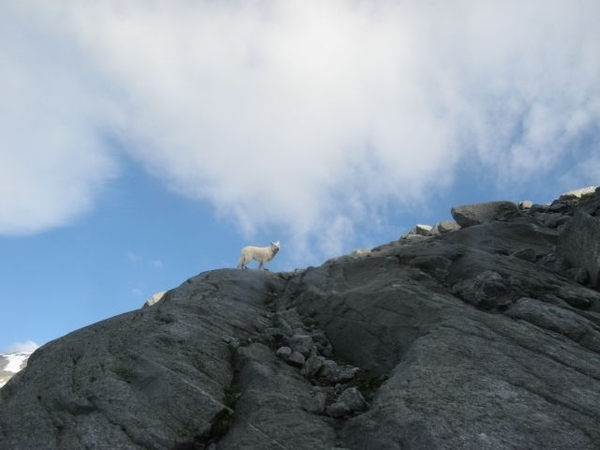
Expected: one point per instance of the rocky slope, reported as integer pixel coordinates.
(482, 333)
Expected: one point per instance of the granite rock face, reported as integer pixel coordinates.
(579, 245)
(153, 378)
(486, 336)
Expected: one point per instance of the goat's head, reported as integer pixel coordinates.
(275, 247)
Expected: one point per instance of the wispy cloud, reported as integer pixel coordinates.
(22, 347)
(135, 258)
(299, 114)
(157, 263)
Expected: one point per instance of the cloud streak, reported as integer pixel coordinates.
(296, 114)
(22, 347)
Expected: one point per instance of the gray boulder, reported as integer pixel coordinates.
(525, 204)
(353, 399)
(284, 352)
(445, 226)
(477, 213)
(422, 230)
(302, 343)
(312, 366)
(154, 299)
(296, 359)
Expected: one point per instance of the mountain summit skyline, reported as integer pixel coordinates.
(477, 333)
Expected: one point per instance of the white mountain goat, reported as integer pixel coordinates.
(260, 254)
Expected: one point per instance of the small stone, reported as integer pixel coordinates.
(312, 366)
(526, 204)
(338, 410)
(283, 352)
(329, 369)
(333, 373)
(318, 337)
(422, 230)
(154, 299)
(447, 226)
(303, 343)
(346, 373)
(354, 399)
(273, 334)
(296, 359)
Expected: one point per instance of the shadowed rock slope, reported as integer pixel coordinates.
(486, 336)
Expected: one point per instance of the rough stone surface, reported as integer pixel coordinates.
(153, 378)
(270, 412)
(478, 213)
(315, 402)
(579, 245)
(485, 337)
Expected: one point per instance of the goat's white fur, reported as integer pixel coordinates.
(260, 254)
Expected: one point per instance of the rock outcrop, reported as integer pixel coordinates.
(485, 336)
(478, 213)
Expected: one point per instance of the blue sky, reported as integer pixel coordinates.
(145, 142)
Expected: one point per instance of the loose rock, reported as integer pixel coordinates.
(296, 359)
(354, 399)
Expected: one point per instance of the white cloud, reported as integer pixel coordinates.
(157, 263)
(52, 160)
(135, 258)
(301, 114)
(22, 347)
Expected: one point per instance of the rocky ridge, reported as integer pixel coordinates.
(477, 333)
